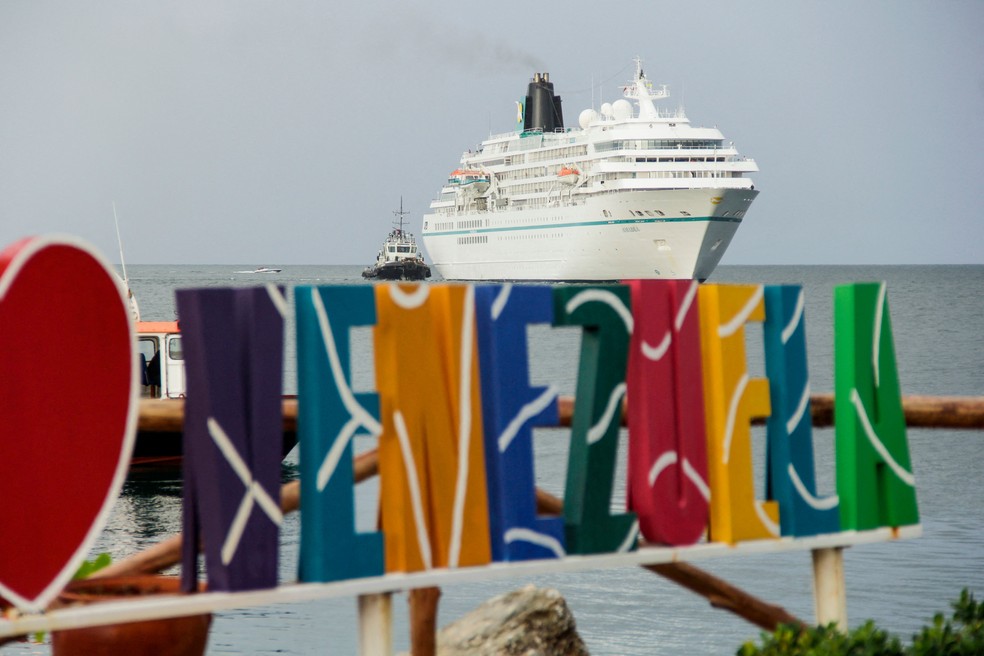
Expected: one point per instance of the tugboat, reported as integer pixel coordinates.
(399, 258)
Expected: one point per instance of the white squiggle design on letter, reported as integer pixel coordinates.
(798, 414)
(423, 542)
(602, 296)
(539, 539)
(904, 475)
(688, 300)
(254, 492)
(499, 304)
(360, 417)
(737, 321)
(817, 503)
(876, 337)
(656, 353)
(409, 300)
(729, 429)
(464, 425)
(614, 404)
(531, 409)
(277, 298)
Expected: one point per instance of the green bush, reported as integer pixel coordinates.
(961, 635)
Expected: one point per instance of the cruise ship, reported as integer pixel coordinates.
(634, 192)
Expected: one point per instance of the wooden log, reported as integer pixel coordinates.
(166, 417)
(722, 594)
(718, 592)
(423, 620)
(920, 411)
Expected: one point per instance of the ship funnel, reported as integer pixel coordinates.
(543, 110)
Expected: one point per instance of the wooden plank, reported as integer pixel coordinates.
(376, 624)
(423, 620)
(160, 606)
(829, 589)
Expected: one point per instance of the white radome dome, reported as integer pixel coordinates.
(606, 110)
(622, 109)
(586, 117)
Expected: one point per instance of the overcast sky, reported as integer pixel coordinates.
(285, 132)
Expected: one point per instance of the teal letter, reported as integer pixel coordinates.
(329, 416)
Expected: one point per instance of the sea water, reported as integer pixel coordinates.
(937, 315)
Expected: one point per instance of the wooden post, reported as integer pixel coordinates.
(376, 624)
(829, 592)
(423, 620)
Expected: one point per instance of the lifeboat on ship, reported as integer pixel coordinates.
(568, 175)
(469, 180)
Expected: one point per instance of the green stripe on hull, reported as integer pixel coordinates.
(585, 224)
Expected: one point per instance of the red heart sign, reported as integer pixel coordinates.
(68, 408)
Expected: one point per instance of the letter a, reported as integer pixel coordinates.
(790, 472)
(604, 313)
(874, 475)
(732, 399)
(667, 475)
(330, 415)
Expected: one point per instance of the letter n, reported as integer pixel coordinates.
(790, 474)
(510, 409)
(330, 415)
(433, 502)
(667, 475)
(233, 434)
(874, 475)
(607, 324)
(732, 400)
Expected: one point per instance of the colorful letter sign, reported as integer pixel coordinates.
(510, 409)
(874, 475)
(607, 324)
(667, 476)
(433, 505)
(790, 477)
(329, 416)
(732, 399)
(233, 434)
(453, 412)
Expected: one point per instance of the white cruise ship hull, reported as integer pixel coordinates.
(641, 234)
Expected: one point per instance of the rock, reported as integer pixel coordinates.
(530, 621)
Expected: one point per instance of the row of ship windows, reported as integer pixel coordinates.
(679, 159)
(567, 152)
(686, 174)
(659, 144)
(531, 235)
(582, 149)
(526, 236)
(542, 187)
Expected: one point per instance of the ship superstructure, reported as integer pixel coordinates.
(634, 192)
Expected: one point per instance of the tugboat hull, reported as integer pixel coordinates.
(398, 271)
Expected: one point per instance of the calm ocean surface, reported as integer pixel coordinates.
(937, 315)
